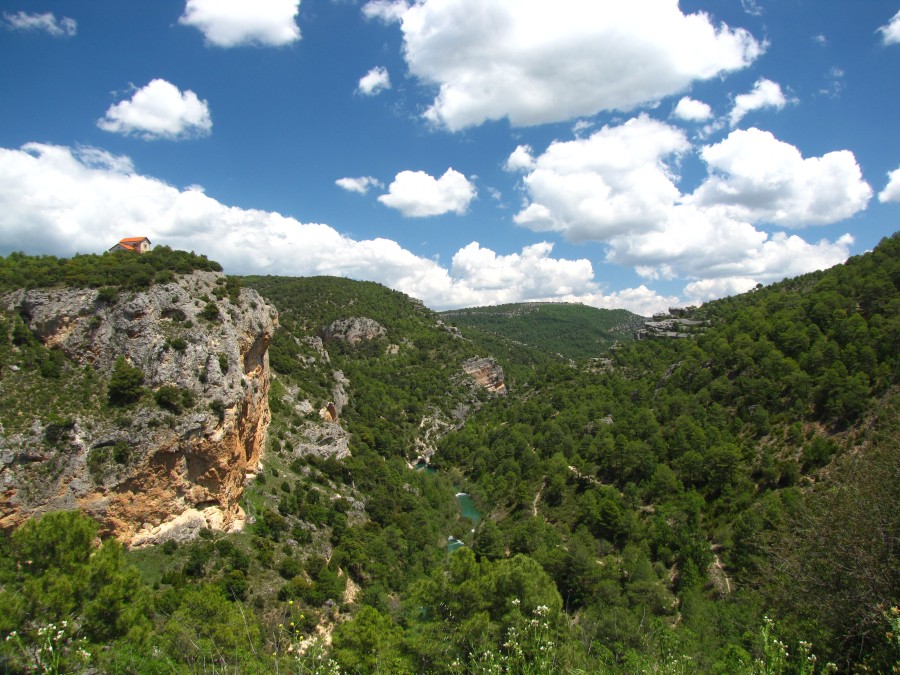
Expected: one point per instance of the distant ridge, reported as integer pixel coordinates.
(571, 330)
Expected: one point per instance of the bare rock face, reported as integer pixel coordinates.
(183, 468)
(353, 330)
(487, 374)
(322, 440)
(339, 391)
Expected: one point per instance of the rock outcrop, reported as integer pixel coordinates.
(322, 440)
(676, 324)
(181, 466)
(353, 330)
(487, 374)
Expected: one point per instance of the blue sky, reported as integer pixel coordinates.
(466, 152)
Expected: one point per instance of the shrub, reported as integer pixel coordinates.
(188, 399)
(125, 385)
(196, 562)
(108, 295)
(179, 344)
(235, 585)
(218, 408)
(818, 452)
(51, 365)
(270, 524)
(97, 459)
(121, 452)
(289, 568)
(21, 334)
(58, 429)
(210, 312)
(168, 396)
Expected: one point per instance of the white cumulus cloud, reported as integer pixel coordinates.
(890, 33)
(765, 94)
(385, 10)
(691, 110)
(521, 159)
(360, 185)
(619, 187)
(532, 269)
(417, 194)
(778, 257)
(756, 177)
(232, 23)
(374, 82)
(159, 110)
(47, 23)
(60, 201)
(891, 192)
(612, 182)
(534, 62)
(707, 246)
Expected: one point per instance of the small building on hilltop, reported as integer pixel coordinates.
(133, 244)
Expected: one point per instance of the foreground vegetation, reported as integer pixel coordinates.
(724, 504)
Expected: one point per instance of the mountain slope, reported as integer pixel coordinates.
(572, 331)
(691, 504)
(682, 464)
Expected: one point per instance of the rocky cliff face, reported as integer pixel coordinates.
(148, 472)
(353, 330)
(487, 374)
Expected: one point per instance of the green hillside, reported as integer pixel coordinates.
(718, 504)
(117, 270)
(572, 331)
(700, 473)
(393, 388)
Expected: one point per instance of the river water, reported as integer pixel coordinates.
(466, 508)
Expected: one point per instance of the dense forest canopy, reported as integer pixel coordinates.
(117, 269)
(571, 331)
(722, 504)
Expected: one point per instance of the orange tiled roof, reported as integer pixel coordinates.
(127, 240)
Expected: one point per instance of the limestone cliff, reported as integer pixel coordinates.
(487, 374)
(183, 464)
(353, 330)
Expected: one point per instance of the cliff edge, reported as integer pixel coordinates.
(173, 460)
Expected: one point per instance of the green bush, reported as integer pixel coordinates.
(121, 452)
(289, 568)
(168, 396)
(97, 459)
(110, 272)
(210, 312)
(125, 384)
(58, 429)
(179, 344)
(218, 408)
(108, 295)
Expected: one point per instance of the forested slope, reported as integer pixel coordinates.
(571, 331)
(685, 467)
(722, 504)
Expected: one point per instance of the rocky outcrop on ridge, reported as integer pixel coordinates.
(180, 467)
(487, 374)
(353, 330)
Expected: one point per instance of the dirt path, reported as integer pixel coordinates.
(537, 498)
(718, 575)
